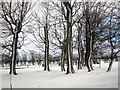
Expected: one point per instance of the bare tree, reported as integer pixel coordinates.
(69, 37)
(113, 29)
(94, 13)
(42, 36)
(58, 32)
(14, 13)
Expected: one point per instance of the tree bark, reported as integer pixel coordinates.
(69, 38)
(111, 57)
(13, 68)
(90, 62)
(46, 68)
(112, 46)
(87, 62)
(79, 50)
(63, 60)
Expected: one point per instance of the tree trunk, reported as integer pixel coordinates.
(46, 68)
(69, 38)
(69, 41)
(63, 51)
(11, 64)
(87, 62)
(62, 60)
(112, 46)
(79, 50)
(13, 68)
(111, 57)
(90, 62)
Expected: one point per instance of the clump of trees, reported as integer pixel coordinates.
(64, 26)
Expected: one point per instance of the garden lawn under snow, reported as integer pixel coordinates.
(35, 77)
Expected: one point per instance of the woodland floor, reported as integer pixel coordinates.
(35, 77)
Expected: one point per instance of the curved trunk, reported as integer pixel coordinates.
(111, 57)
(112, 46)
(111, 62)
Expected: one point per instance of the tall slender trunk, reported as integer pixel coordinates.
(79, 50)
(69, 38)
(48, 56)
(14, 54)
(63, 50)
(46, 61)
(11, 63)
(87, 62)
(90, 55)
(67, 49)
(63, 60)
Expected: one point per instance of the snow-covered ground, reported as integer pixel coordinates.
(35, 77)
